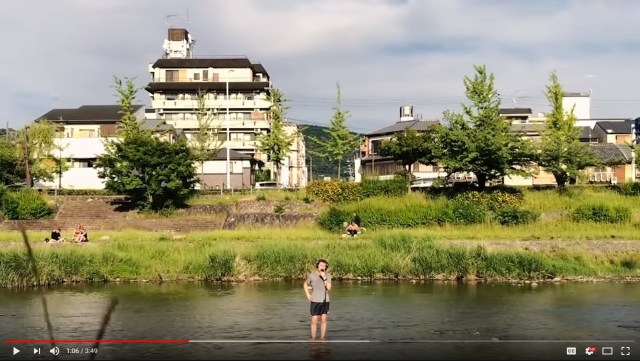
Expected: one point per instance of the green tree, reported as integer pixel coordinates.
(276, 143)
(60, 163)
(479, 140)
(205, 142)
(35, 143)
(409, 147)
(12, 171)
(154, 173)
(340, 142)
(561, 152)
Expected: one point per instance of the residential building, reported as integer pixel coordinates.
(236, 93)
(608, 137)
(80, 140)
(371, 164)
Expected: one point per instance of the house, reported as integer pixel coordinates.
(618, 159)
(80, 140)
(371, 164)
(213, 174)
(236, 93)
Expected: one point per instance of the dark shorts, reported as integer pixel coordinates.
(319, 308)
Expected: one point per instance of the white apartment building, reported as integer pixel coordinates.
(236, 94)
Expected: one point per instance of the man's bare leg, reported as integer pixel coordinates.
(314, 326)
(323, 326)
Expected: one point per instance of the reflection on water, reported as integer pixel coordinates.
(401, 320)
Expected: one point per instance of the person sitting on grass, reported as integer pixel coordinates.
(353, 229)
(56, 236)
(81, 234)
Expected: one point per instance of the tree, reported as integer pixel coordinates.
(154, 173)
(479, 140)
(12, 171)
(409, 147)
(60, 163)
(339, 139)
(206, 143)
(35, 143)
(276, 143)
(561, 152)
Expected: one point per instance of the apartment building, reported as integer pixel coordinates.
(236, 93)
(80, 137)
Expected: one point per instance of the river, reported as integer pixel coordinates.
(367, 321)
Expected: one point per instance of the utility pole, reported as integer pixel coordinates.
(634, 139)
(27, 173)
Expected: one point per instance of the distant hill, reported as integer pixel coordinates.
(321, 167)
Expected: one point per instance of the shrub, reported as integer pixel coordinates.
(628, 189)
(512, 216)
(24, 204)
(278, 209)
(492, 200)
(334, 191)
(394, 187)
(464, 212)
(601, 213)
(83, 192)
(261, 197)
(333, 219)
(307, 200)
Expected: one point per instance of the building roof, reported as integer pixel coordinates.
(610, 152)
(615, 127)
(586, 133)
(222, 62)
(575, 94)
(218, 86)
(155, 124)
(233, 155)
(419, 125)
(515, 111)
(99, 113)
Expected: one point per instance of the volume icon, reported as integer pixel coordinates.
(55, 351)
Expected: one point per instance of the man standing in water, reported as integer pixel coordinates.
(317, 287)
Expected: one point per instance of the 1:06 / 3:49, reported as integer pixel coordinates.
(81, 350)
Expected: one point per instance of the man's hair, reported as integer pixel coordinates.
(322, 260)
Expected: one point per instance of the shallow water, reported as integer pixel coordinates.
(367, 321)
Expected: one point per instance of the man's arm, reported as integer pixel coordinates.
(327, 282)
(306, 288)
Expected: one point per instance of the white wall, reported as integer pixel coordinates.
(80, 147)
(76, 178)
(582, 106)
(220, 166)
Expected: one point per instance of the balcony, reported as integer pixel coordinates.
(177, 84)
(191, 123)
(220, 104)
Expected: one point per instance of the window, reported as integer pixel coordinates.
(171, 96)
(205, 75)
(196, 76)
(172, 75)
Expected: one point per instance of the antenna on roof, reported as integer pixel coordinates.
(187, 16)
(166, 19)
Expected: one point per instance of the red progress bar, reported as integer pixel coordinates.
(98, 341)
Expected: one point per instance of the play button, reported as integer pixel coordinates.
(15, 351)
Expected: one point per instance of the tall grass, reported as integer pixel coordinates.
(384, 255)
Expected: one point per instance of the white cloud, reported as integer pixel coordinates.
(384, 53)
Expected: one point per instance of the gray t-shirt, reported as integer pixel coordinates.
(318, 291)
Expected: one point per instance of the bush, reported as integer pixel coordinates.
(628, 189)
(25, 204)
(512, 216)
(334, 191)
(333, 219)
(601, 213)
(492, 200)
(278, 209)
(261, 197)
(394, 187)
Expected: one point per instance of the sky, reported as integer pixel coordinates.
(383, 53)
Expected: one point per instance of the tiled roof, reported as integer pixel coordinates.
(610, 152)
(155, 124)
(613, 127)
(86, 113)
(419, 125)
(586, 133)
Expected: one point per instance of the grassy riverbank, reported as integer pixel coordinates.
(249, 255)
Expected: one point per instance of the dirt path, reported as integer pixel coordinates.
(600, 246)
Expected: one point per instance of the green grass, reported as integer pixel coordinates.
(244, 255)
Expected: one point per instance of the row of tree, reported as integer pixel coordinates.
(480, 140)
